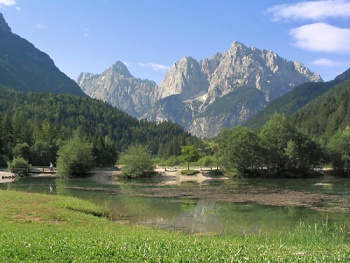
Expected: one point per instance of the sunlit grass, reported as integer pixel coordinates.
(47, 228)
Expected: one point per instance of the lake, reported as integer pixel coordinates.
(213, 207)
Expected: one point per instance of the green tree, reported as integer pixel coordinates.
(303, 154)
(137, 161)
(105, 151)
(41, 153)
(19, 166)
(21, 150)
(190, 154)
(290, 152)
(275, 135)
(7, 140)
(338, 150)
(213, 147)
(75, 157)
(240, 150)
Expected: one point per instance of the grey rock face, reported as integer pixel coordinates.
(190, 91)
(119, 88)
(185, 78)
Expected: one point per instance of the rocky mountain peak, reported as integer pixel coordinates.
(121, 69)
(205, 96)
(185, 78)
(119, 88)
(238, 46)
(4, 27)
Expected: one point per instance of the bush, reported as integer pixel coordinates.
(137, 161)
(206, 161)
(19, 166)
(75, 158)
(173, 160)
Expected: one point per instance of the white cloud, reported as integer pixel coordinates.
(322, 37)
(155, 67)
(311, 10)
(7, 2)
(325, 62)
(41, 26)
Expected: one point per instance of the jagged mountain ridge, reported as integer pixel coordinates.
(23, 67)
(119, 88)
(194, 85)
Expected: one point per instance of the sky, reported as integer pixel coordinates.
(149, 36)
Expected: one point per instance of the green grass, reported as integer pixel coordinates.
(47, 228)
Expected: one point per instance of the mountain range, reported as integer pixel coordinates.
(203, 96)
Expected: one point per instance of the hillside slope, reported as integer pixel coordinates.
(26, 68)
(296, 99)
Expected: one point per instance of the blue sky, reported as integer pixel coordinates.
(149, 36)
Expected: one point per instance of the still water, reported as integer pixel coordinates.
(126, 202)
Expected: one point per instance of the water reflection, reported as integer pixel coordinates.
(201, 215)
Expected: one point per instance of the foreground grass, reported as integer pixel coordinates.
(44, 228)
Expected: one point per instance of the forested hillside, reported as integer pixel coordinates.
(26, 68)
(36, 124)
(295, 100)
(290, 102)
(327, 114)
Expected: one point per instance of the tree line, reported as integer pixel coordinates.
(36, 125)
(279, 149)
(41, 128)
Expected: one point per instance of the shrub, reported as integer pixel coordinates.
(173, 160)
(75, 158)
(19, 166)
(137, 161)
(206, 161)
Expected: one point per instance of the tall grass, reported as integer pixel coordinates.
(45, 228)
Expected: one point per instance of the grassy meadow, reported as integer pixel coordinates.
(50, 228)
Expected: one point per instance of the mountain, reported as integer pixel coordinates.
(204, 96)
(119, 88)
(23, 67)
